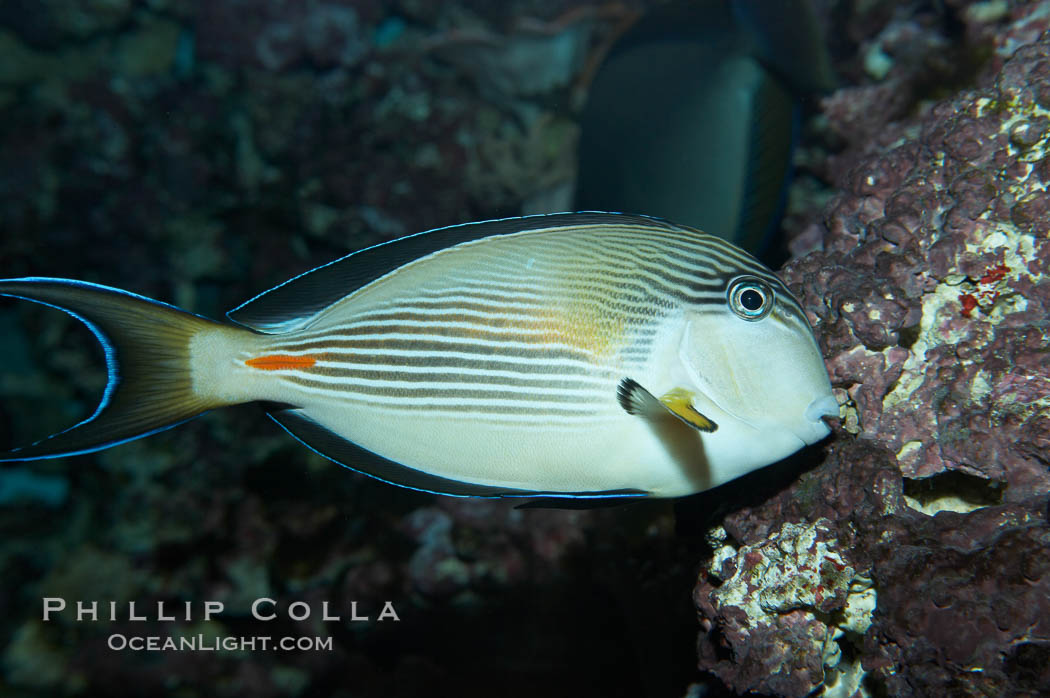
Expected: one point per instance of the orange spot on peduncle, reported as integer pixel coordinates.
(280, 362)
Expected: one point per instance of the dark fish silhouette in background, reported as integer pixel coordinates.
(694, 114)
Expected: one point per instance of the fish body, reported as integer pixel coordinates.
(693, 114)
(507, 358)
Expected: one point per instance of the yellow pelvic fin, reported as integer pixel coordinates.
(679, 402)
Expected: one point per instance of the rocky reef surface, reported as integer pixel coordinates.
(915, 560)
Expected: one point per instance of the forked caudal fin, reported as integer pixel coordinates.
(146, 344)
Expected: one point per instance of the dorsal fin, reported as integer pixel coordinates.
(293, 303)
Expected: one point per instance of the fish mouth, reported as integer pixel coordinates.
(824, 406)
(816, 428)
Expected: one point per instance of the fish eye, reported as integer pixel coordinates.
(750, 297)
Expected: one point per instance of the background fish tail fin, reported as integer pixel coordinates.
(146, 344)
(774, 125)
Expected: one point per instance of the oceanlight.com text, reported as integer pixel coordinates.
(211, 643)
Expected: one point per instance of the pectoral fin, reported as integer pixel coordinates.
(678, 401)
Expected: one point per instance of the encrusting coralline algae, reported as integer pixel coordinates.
(931, 300)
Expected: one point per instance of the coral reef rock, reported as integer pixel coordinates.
(913, 561)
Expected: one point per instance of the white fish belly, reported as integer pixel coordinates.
(612, 452)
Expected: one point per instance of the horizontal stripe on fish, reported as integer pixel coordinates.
(495, 371)
(451, 339)
(502, 416)
(399, 375)
(532, 335)
(599, 288)
(456, 391)
(713, 263)
(562, 310)
(459, 330)
(423, 322)
(678, 268)
(482, 312)
(547, 342)
(664, 273)
(485, 371)
(693, 248)
(713, 266)
(428, 345)
(527, 366)
(629, 248)
(694, 257)
(711, 276)
(723, 262)
(649, 284)
(481, 307)
(462, 399)
(707, 276)
(484, 294)
(491, 413)
(359, 382)
(686, 269)
(350, 337)
(709, 253)
(689, 243)
(632, 310)
(491, 320)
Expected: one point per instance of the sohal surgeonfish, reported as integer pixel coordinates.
(692, 116)
(568, 355)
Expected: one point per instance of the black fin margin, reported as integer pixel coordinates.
(627, 391)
